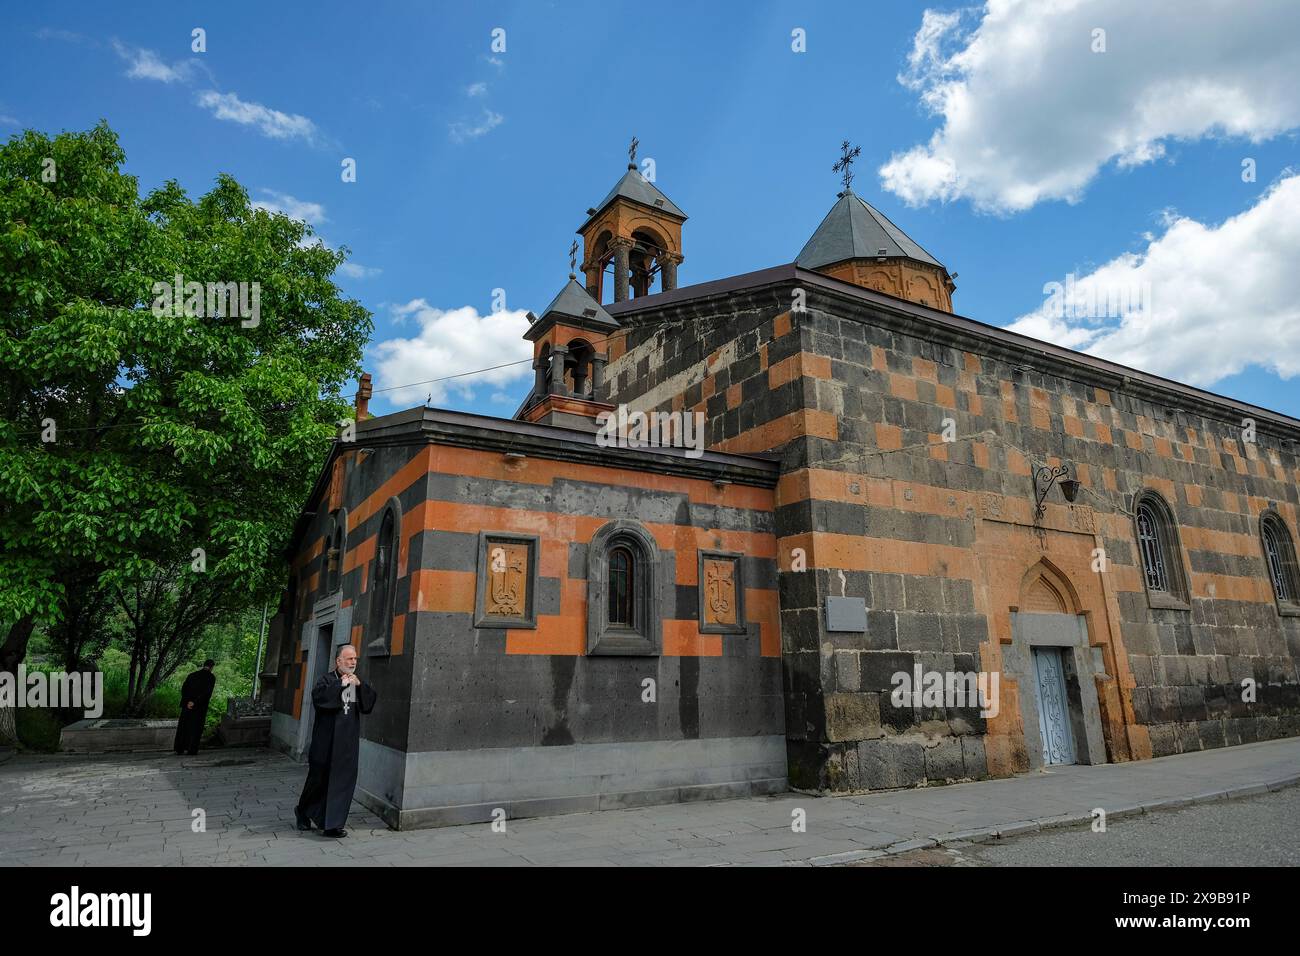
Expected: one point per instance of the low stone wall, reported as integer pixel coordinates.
(116, 735)
(246, 723)
(244, 731)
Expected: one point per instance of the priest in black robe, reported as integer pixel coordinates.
(195, 694)
(340, 698)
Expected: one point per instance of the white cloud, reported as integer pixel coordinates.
(1213, 300)
(450, 342)
(147, 65)
(1030, 113)
(67, 36)
(312, 213)
(269, 122)
(462, 131)
(476, 89)
(7, 120)
(354, 270)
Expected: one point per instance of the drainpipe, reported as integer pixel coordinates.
(257, 664)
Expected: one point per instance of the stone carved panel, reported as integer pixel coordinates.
(719, 591)
(507, 581)
(1079, 519)
(1082, 519)
(721, 594)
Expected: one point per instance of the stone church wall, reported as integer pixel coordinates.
(355, 490)
(939, 538)
(532, 718)
(487, 706)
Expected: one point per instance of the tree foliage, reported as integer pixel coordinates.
(171, 432)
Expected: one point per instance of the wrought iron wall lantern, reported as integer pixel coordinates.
(1044, 478)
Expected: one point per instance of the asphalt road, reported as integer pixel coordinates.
(1255, 831)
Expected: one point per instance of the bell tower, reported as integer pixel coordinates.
(637, 230)
(570, 352)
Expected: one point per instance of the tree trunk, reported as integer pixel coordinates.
(12, 654)
(8, 726)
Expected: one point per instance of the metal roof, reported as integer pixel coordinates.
(854, 229)
(575, 302)
(637, 188)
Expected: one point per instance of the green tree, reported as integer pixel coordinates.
(150, 454)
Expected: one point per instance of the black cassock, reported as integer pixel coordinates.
(197, 690)
(332, 759)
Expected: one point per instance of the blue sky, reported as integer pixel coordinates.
(999, 138)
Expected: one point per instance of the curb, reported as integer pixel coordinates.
(6, 753)
(1073, 819)
(1020, 827)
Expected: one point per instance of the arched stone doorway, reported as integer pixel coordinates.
(1056, 668)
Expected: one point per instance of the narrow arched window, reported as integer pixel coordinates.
(334, 558)
(1159, 550)
(622, 587)
(380, 586)
(380, 617)
(623, 612)
(1279, 555)
(1153, 549)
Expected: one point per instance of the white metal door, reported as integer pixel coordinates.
(1053, 708)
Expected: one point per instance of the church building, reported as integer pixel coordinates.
(889, 497)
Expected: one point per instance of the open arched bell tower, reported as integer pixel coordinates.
(570, 351)
(637, 230)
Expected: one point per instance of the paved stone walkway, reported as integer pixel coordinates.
(137, 810)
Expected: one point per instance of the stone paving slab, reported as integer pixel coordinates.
(139, 810)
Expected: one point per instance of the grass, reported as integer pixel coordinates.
(39, 728)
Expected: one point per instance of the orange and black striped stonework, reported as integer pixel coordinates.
(553, 625)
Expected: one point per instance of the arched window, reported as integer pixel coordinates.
(1153, 549)
(622, 578)
(337, 548)
(336, 560)
(381, 617)
(1160, 552)
(622, 595)
(1279, 555)
(382, 587)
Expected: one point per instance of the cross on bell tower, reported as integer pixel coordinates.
(844, 165)
(637, 231)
